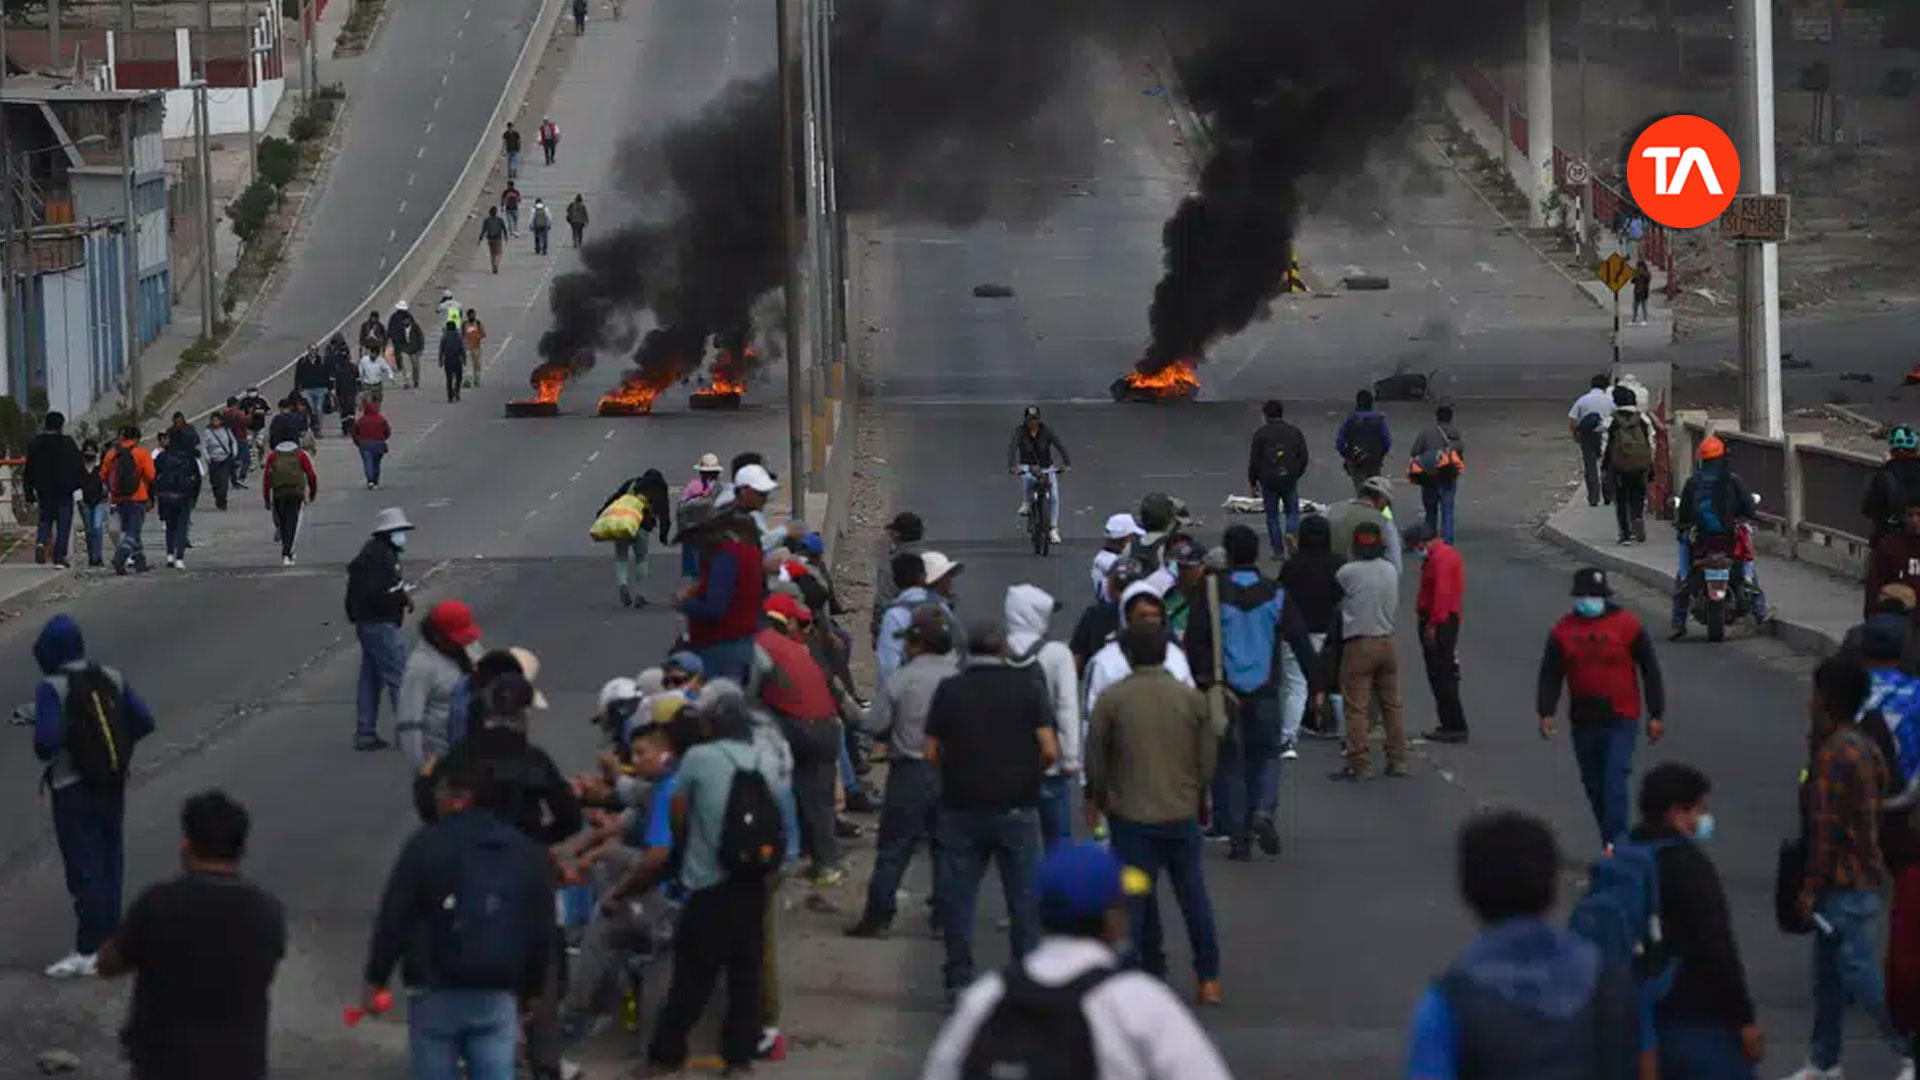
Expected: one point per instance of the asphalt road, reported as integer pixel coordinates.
(415, 110)
(1884, 345)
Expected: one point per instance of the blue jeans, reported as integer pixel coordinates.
(909, 812)
(513, 164)
(1604, 752)
(316, 399)
(371, 454)
(448, 1028)
(1436, 502)
(512, 214)
(94, 520)
(1846, 967)
(727, 659)
(177, 521)
(968, 840)
(132, 516)
(1026, 492)
(1287, 495)
(1056, 812)
(1703, 1052)
(383, 656)
(1173, 848)
(245, 464)
(1250, 765)
(56, 527)
(689, 563)
(88, 827)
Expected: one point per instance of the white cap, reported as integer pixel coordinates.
(392, 519)
(530, 667)
(755, 478)
(1143, 587)
(938, 566)
(1123, 527)
(618, 689)
(399, 305)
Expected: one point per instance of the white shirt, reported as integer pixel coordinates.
(1592, 402)
(1109, 666)
(1141, 1031)
(374, 370)
(1103, 561)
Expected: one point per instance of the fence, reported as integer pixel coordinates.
(1610, 204)
(1810, 494)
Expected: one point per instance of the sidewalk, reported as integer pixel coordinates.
(1811, 610)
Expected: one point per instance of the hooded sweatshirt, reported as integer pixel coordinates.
(1029, 611)
(1109, 665)
(60, 651)
(372, 427)
(1309, 576)
(890, 650)
(427, 690)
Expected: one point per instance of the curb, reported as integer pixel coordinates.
(1799, 637)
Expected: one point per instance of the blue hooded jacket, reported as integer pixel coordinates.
(58, 650)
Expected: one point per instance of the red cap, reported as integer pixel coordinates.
(782, 606)
(453, 620)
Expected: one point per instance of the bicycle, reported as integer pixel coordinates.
(1040, 507)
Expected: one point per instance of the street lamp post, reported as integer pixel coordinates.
(791, 243)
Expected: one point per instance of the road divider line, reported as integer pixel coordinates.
(593, 457)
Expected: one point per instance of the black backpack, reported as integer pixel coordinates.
(126, 473)
(1147, 555)
(753, 839)
(98, 742)
(1036, 1032)
(481, 926)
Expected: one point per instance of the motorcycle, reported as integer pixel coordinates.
(1713, 597)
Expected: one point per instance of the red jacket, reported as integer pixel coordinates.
(1443, 581)
(741, 616)
(306, 466)
(1602, 662)
(797, 687)
(371, 427)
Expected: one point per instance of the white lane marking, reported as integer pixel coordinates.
(1420, 266)
(431, 428)
(468, 15)
(436, 103)
(531, 514)
(553, 496)
(429, 130)
(574, 479)
(410, 179)
(403, 206)
(593, 457)
(1485, 268)
(1454, 300)
(391, 233)
(439, 504)
(1406, 249)
(610, 433)
(1436, 282)
(383, 262)
(420, 153)
(443, 78)
(1390, 232)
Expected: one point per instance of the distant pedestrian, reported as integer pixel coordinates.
(473, 334)
(128, 474)
(510, 142)
(241, 425)
(377, 602)
(630, 565)
(86, 721)
(313, 380)
(1602, 653)
(1369, 660)
(375, 374)
(407, 340)
(1276, 461)
(372, 434)
(93, 504)
(176, 486)
(579, 27)
(510, 207)
(493, 233)
(704, 487)
(373, 334)
(1311, 580)
(453, 360)
(203, 949)
(1587, 423)
(1030, 610)
(542, 224)
(577, 217)
(50, 478)
(288, 482)
(1628, 458)
(1443, 584)
(223, 452)
(1642, 291)
(1363, 440)
(1437, 459)
(550, 135)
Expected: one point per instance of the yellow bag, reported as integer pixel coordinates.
(622, 520)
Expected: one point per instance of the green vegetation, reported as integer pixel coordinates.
(358, 30)
(278, 161)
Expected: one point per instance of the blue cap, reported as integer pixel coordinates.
(1082, 881)
(687, 662)
(813, 544)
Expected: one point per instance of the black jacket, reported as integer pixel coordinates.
(310, 372)
(1710, 983)
(1313, 588)
(54, 468)
(373, 580)
(524, 787)
(1895, 484)
(453, 351)
(404, 332)
(426, 873)
(285, 427)
(1035, 447)
(1278, 455)
(373, 336)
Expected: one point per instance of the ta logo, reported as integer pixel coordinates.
(1683, 171)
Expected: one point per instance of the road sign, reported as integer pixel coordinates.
(1615, 272)
(1756, 218)
(1576, 172)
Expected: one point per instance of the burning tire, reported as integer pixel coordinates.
(1175, 382)
(709, 400)
(517, 410)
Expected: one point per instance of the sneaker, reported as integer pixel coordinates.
(179, 564)
(626, 596)
(1266, 835)
(1906, 1069)
(870, 929)
(846, 830)
(1289, 751)
(1445, 735)
(1812, 1072)
(169, 562)
(827, 878)
(773, 1045)
(1023, 508)
(370, 742)
(286, 560)
(1209, 993)
(74, 966)
(1053, 536)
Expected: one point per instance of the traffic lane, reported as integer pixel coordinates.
(328, 821)
(1879, 344)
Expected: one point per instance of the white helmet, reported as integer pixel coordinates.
(618, 690)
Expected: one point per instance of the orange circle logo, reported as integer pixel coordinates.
(1683, 171)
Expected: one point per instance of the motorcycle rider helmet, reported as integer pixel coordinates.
(1903, 437)
(1157, 512)
(1711, 448)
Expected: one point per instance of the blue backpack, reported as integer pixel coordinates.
(481, 927)
(1620, 915)
(1705, 514)
(1249, 636)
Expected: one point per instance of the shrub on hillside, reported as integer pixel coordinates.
(250, 211)
(279, 161)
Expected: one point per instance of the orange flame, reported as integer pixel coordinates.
(634, 397)
(724, 376)
(548, 380)
(1176, 380)
(721, 385)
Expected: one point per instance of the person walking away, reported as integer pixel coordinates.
(542, 225)
(1029, 453)
(909, 809)
(289, 482)
(1120, 532)
(1029, 611)
(1276, 461)
(203, 949)
(345, 370)
(372, 434)
(311, 378)
(1845, 870)
(1443, 585)
(1151, 752)
(630, 567)
(1526, 998)
(473, 333)
(1363, 440)
(1713, 502)
(240, 424)
(1438, 458)
(1628, 458)
(549, 140)
(1895, 485)
(453, 360)
(1374, 506)
(510, 207)
(704, 487)
(1070, 1008)
(373, 334)
(431, 682)
(723, 608)
(49, 479)
(1369, 660)
(86, 723)
(1311, 580)
(375, 374)
(793, 686)
(93, 503)
(579, 27)
(577, 219)
(493, 233)
(1642, 291)
(510, 143)
(448, 310)
(1587, 423)
(129, 475)
(465, 915)
(1256, 627)
(377, 602)
(288, 424)
(1704, 1023)
(1602, 654)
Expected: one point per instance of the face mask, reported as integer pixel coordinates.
(1703, 828)
(1590, 606)
(399, 539)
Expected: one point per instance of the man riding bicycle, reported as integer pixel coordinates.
(1713, 503)
(1031, 452)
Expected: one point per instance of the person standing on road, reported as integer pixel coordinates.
(1628, 458)
(493, 233)
(1642, 291)
(373, 334)
(377, 602)
(473, 333)
(203, 949)
(129, 475)
(1151, 753)
(93, 503)
(1363, 440)
(794, 687)
(1602, 654)
(1895, 485)
(1029, 611)
(375, 374)
(630, 566)
(1443, 585)
(577, 219)
(549, 138)
(1369, 660)
(1438, 458)
(1374, 506)
(1311, 579)
(453, 360)
(288, 482)
(510, 207)
(372, 434)
(1276, 461)
(1587, 423)
(510, 142)
(407, 340)
(430, 686)
(223, 451)
(313, 380)
(723, 607)
(50, 477)
(86, 722)
(541, 223)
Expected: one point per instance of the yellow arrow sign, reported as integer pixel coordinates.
(1616, 272)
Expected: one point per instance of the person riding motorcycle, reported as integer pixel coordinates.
(1030, 451)
(1895, 484)
(1712, 505)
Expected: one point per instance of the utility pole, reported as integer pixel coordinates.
(53, 33)
(1589, 251)
(1837, 73)
(1759, 262)
(1539, 186)
(253, 84)
(791, 242)
(130, 260)
(7, 267)
(836, 219)
(209, 302)
(819, 270)
(309, 63)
